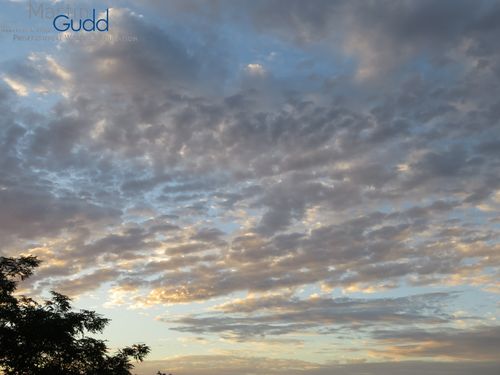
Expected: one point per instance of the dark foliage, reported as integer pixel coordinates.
(49, 338)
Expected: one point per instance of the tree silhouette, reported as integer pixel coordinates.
(48, 337)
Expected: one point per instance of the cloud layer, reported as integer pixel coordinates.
(271, 160)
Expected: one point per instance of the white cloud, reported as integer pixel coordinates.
(19, 88)
(255, 69)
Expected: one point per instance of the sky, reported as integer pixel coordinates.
(262, 187)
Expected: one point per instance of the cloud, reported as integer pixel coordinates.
(17, 86)
(182, 167)
(86, 283)
(477, 344)
(30, 213)
(221, 364)
(283, 314)
(196, 365)
(255, 69)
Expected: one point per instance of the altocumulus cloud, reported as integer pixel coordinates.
(338, 180)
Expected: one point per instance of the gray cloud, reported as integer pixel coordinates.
(478, 343)
(278, 315)
(197, 365)
(165, 161)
